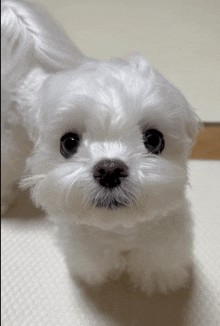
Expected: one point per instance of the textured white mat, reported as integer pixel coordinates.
(38, 291)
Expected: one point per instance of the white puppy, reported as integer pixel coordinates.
(103, 146)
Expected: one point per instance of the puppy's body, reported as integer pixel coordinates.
(156, 254)
(103, 147)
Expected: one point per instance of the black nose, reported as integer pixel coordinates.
(109, 173)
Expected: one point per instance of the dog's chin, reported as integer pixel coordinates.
(112, 205)
(112, 200)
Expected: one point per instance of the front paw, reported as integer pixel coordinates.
(97, 270)
(163, 281)
(171, 280)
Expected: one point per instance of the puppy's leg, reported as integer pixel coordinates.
(163, 264)
(96, 266)
(90, 260)
(151, 276)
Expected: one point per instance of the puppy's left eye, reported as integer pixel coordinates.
(69, 144)
(154, 141)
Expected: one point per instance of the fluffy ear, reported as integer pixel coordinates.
(192, 124)
(30, 37)
(138, 62)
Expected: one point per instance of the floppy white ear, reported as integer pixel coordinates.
(138, 62)
(192, 124)
(30, 37)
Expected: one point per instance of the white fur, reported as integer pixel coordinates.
(49, 88)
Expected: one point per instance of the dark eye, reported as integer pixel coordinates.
(69, 144)
(154, 141)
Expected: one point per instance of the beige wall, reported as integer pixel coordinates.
(180, 38)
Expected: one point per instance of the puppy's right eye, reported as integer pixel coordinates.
(69, 144)
(154, 141)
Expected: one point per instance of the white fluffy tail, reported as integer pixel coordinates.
(30, 37)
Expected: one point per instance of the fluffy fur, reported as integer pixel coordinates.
(49, 88)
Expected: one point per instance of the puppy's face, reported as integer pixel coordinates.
(113, 143)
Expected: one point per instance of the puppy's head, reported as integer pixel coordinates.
(113, 142)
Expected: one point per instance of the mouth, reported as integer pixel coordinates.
(111, 200)
(111, 205)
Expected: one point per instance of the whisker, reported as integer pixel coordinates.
(31, 181)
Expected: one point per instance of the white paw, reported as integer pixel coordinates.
(94, 271)
(93, 277)
(172, 280)
(160, 281)
(100, 274)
